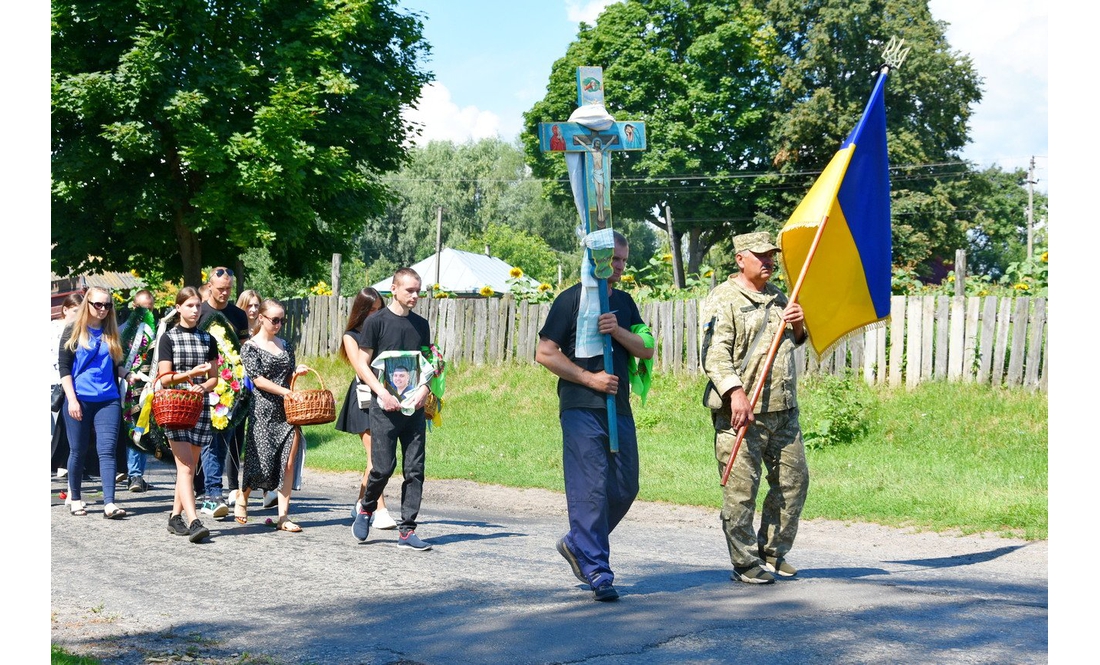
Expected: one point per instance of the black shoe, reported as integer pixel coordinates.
(176, 525)
(751, 575)
(138, 484)
(567, 553)
(197, 531)
(605, 592)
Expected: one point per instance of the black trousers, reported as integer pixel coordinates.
(388, 429)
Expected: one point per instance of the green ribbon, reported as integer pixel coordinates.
(641, 373)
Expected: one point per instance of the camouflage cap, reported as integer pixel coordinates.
(759, 242)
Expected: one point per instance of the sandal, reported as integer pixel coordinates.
(284, 524)
(113, 512)
(77, 508)
(240, 509)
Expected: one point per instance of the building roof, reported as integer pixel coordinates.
(461, 273)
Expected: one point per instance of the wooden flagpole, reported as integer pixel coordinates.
(773, 350)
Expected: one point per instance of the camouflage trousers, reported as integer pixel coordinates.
(776, 440)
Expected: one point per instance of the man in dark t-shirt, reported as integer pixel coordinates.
(599, 485)
(396, 328)
(208, 478)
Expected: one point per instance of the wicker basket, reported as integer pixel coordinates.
(177, 409)
(309, 407)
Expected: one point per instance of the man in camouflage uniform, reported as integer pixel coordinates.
(739, 321)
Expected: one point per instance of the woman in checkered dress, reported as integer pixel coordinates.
(186, 354)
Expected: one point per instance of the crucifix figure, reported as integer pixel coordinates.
(596, 145)
(588, 140)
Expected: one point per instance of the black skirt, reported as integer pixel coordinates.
(352, 419)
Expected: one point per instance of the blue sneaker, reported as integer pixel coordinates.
(361, 526)
(412, 541)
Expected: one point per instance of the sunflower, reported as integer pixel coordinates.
(544, 287)
(487, 291)
(515, 273)
(1021, 286)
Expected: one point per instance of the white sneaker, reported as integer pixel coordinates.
(271, 499)
(232, 500)
(382, 520)
(62, 472)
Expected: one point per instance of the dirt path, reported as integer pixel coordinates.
(493, 590)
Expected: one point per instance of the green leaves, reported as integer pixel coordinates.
(185, 132)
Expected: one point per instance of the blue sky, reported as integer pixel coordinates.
(491, 66)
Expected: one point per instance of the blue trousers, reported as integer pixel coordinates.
(600, 485)
(103, 418)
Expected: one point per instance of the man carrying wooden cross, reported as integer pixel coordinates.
(590, 336)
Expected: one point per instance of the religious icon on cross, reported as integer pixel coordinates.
(594, 134)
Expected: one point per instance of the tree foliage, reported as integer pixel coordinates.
(186, 131)
(745, 101)
(477, 184)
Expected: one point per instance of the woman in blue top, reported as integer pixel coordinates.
(89, 357)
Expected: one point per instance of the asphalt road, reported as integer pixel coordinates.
(494, 590)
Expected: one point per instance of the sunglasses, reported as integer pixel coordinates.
(277, 321)
(221, 272)
(100, 306)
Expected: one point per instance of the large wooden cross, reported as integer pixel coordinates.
(596, 146)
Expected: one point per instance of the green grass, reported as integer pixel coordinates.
(59, 656)
(939, 457)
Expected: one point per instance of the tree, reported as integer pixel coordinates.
(477, 184)
(828, 52)
(745, 101)
(187, 131)
(695, 73)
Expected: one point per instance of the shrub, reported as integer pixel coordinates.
(837, 410)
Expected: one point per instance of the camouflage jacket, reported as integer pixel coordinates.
(736, 341)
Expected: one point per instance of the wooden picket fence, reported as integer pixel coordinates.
(988, 340)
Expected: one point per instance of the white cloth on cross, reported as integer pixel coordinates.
(589, 342)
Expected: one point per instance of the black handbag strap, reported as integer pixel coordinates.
(88, 358)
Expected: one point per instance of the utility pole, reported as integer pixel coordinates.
(1030, 207)
(438, 247)
(674, 246)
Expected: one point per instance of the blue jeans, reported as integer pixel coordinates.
(135, 462)
(213, 463)
(600, 485)
(104, 419)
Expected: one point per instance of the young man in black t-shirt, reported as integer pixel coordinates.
(396, 328)
(599, 485)
(208, 476)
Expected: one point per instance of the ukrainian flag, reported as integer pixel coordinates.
(847, 283)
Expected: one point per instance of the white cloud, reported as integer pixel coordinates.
(585, 10)
(1007, 40)
(440, 119)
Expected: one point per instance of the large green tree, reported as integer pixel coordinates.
(746, 100)
(185, 131)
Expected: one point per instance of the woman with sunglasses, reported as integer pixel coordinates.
(249, 301)
(354, 418)
(186, 354)
(272, 443)
(89, 357)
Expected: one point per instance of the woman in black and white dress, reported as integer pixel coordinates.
(186, 354)
(272, 443)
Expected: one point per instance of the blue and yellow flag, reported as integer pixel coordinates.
(847, 283)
